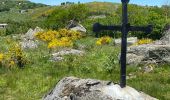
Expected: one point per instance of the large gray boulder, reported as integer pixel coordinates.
(29, 44)
(134, 59)
(79, 28)
(156, 52)
(72, 88)
(28, 40)
(30, 35)
(76, 26)
(152, 53)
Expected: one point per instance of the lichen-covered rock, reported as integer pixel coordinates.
(156, 52)
(31, 33)
(79, 28)
(76, 26)
(28, 40)
(72, 88)
(28, 44)
(134, 59)
(148, 52)
(59, 55)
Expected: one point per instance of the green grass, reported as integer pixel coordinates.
(100, 62)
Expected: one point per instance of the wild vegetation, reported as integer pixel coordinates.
(59, 17)
(6, 5)
(60, 38)
(100, 62)
(29, 73)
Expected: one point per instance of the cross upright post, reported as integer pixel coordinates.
(124, 28)
(124, 43)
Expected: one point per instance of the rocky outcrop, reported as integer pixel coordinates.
(28, 40)
(134, 59)
(59, 55)
(30, 35)
(72, 88)
(79, 28)
(165, 40)
(149, 53)
(130, 41)
(75, 26)
(29, 44)
(156, 52)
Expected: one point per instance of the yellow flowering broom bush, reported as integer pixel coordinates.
(47, 36)
(63, 42)
(14, 57)
(60, 38)
(1, 57)
(144, 41)
(104, 40)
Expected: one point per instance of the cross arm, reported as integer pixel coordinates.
(146, 29)
(97, 27)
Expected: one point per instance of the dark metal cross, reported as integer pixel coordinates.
(124, 28)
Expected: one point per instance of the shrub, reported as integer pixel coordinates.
(63, 42)
(60, 38)
(14, 57)
(104, 40)
(1, 57)
(62, 15)
(20, 27)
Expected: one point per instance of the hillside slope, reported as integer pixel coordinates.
(6, 5)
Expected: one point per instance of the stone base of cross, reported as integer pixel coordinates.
(124, 28)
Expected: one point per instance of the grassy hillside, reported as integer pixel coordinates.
(20, 15)
(6, 5)
(58, 16)
(30, 14)
(17, 10)
(40, 75)
(99, 62)
(102, 8)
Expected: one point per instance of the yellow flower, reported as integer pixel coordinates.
(103, 40)
(144, 41)
(60, 38)
(98, 43)
(11, 63)
(53, 43)
(1, 57)
(48, 35)
(66, 42)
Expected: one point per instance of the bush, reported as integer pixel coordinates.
(60, 38)
(14, 57)
(2, 32)
(104, 40)
(21, 27)
(62, 15)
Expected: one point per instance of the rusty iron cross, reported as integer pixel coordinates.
(124, 28)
